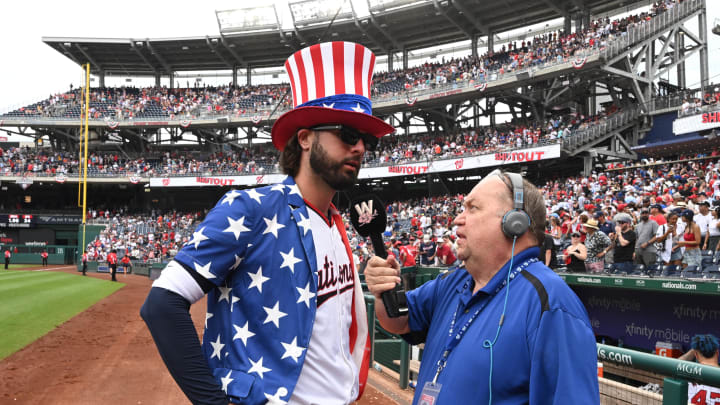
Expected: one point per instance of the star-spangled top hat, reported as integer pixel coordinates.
(330, 84)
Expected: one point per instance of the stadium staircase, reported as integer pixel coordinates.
(631, 116)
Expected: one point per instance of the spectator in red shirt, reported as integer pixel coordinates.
(126, 263)
(408, 253)
(445, 252)
(656, 214)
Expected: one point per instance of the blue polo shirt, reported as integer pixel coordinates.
(545, 353)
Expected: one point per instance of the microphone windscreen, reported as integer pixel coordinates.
(367, 214)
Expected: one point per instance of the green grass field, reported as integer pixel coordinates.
(32, 303)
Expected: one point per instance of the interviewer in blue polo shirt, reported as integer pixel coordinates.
(544, 352)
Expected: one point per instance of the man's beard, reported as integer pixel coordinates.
(332, 172)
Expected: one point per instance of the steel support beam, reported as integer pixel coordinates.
(168, 68)
(362, 29)
(396, 44)
(212, 44)
(452, 21)
(479, 25)
(137, 50)
(232, 51)
(69, 54)
(88, 57)
(703, 41)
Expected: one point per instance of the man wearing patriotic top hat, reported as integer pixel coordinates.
(285, 318)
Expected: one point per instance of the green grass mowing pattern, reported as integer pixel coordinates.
(32, 303)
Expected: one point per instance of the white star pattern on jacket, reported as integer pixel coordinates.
(274, 314)
(217, 347)
(208, 315)
(272, 226)
(305, 295)
(236, 227)
(198, 237)
(243, 333)
(289, 260)
(226, 381)
(294, 189)
(276, 399)
(357, 108)
(292, 350)
(252, 193)
(230, 197)
(238, 260)
(233, 300)
(257, 279)
(204, 270)
(257, 367)
(304, 224)
(224, 293)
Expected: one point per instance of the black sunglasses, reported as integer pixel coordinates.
(350, 135)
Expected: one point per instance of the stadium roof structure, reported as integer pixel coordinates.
(392, 25)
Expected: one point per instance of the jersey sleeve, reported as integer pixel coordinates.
(220, 242)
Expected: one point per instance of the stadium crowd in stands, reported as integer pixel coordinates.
(154, 237)
(191, 102)
(261, 158)
(585, 216)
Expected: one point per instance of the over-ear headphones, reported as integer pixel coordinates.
(516, 221)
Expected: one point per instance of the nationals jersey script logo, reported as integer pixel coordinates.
(365, 211)
(333, 279)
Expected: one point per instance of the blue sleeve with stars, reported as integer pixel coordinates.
(168, 319)
(219, 243)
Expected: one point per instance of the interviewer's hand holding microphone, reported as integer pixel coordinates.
(382, 275)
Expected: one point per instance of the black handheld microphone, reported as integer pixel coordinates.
(367, 214)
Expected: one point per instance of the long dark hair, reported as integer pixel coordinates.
(290, 157)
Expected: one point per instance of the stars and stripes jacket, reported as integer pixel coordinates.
(256, 247)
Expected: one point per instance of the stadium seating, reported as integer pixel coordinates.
(670, 270)
(638, 270)
(711, 272)
(690, 271)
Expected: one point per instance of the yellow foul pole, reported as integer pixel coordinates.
(80, 136)
(85, 155)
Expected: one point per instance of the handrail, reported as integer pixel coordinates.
(662, 365)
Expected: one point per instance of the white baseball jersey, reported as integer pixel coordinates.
(329, 375)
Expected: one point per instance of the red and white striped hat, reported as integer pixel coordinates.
(330, 85)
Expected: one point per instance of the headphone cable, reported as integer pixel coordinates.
(487, 343)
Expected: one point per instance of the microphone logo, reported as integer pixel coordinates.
(365, 212)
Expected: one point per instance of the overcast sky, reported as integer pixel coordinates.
(32, 70)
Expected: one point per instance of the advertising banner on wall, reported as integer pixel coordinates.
(641, 319)
(436, 166)
(8, 237)
(695, 123)
(37, 237)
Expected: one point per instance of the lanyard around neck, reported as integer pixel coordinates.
(454, 341)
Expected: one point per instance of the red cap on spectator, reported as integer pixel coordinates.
(621, 207)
